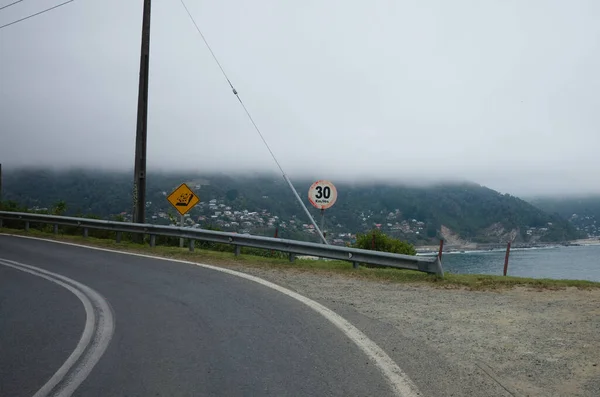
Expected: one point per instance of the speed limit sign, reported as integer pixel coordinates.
(322, 194)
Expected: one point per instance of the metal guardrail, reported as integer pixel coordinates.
(292, 247)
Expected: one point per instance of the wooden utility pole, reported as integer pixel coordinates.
(139, 183)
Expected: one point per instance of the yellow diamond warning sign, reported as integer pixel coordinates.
(183, 199)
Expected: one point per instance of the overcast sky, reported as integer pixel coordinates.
(503, 93)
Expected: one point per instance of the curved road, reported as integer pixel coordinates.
(179, 330)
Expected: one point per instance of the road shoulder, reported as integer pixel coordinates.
(526, 341)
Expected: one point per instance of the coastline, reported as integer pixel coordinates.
(483, 247)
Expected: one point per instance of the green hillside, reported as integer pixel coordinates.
(583, 212)
(471, 212)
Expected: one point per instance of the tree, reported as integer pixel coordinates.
(59, 207)
(11, 206)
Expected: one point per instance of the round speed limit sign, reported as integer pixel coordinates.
(322, 194)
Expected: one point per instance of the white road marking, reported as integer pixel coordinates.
(97, 333)
(398, 380)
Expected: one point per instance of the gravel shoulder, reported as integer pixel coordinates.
(528, 342)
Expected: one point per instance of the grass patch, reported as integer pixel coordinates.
(228, 259)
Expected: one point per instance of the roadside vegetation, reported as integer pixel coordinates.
(221, 255)
(376, 240)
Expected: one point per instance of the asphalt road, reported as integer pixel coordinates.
(180, 330)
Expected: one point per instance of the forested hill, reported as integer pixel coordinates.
(461, 213)
(582, 212)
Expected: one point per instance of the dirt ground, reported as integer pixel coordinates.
(531, 342)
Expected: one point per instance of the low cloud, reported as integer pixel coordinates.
(499, 94)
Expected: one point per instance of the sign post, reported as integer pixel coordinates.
(323, 222)
(181, 224)
(322, 195)
(183, 199)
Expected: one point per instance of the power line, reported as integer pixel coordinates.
(287, 179)
(36, 14)
(11, 4)
(207, 45)
(232, 87)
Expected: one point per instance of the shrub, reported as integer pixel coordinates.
(13, 206)
(377, 241)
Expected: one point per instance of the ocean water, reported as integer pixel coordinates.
(577, 263)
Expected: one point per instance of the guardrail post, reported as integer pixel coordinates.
(191, 245)
(55, 229)
(238, 250)
(85, 232)
(355, 265)
(292, 257)
(119, 235)
(26, 226)
(152, 240)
